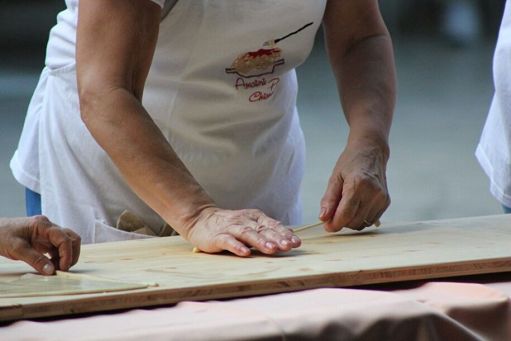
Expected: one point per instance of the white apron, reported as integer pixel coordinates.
(223, 98)
(494, 149)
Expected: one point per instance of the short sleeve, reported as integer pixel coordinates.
(159, 2)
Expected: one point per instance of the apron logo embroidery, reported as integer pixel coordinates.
(251, 67)
(256, 64)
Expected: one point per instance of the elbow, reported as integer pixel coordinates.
(93, 91)
(102, 102)
(95, 103)
(86, 98)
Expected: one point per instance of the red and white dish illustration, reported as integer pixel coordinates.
(257, 63)
(263, 61)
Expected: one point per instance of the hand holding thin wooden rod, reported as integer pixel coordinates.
(377, 223)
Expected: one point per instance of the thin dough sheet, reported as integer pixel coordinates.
(31, 285)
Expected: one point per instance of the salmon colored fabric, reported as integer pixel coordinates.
(432, 311)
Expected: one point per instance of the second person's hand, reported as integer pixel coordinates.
(29, 239)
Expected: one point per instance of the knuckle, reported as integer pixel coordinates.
(367, 182)
(218, 243)
(378, 199)
(327, 200)
(350, 189)
(260, 241)
(357, 180)
(388, 201)
(285, 231)
(335, 179)
(75, 237)
(264, 229)
(246, 231)
(349, 208)
(274, 224)
(381, 195)
(222, 239)
(67, 243)
(41, 220)
(271, 234)
(252, 211)
(235, 216)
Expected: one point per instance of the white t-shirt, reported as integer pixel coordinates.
(60, 54)
(494, 149)
(223, 97)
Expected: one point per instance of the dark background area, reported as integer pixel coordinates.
(24, 24)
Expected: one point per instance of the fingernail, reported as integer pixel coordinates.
(322, 213)
(48, 269)
(295, 239)
(284, 243)
(269, 245)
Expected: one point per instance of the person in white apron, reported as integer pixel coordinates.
(28, 239)
(494, 149)
(192, 119)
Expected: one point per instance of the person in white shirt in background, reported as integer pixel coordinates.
(29, 239)
(191, 119)
(494, 149)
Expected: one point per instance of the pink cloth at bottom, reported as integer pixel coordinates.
(433, 311)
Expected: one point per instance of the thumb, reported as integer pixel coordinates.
(38, 261)
(331, 198)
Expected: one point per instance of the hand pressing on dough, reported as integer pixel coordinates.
(28, 239)
(237, 231)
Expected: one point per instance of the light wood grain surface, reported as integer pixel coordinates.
(393, 252)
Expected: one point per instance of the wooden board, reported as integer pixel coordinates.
(397, 252)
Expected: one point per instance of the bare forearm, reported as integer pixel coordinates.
(367, 84)
(146, 160)
(115, 45)
(360, 52)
